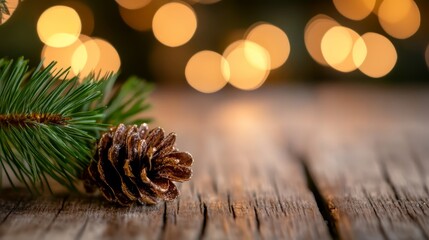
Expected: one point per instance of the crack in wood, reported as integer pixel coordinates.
(322, 204)
(58, 213)
(234, 215)
(258, 222)
(230, 206)
(11, 211)
(164, 218)
(204, 224)
(164, 223)
(201, 203)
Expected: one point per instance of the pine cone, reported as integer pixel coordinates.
(133, 164)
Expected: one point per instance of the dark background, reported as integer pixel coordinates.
(220, 24)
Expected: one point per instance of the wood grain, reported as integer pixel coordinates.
(294, 162)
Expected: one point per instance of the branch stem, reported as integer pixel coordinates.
(32, 118)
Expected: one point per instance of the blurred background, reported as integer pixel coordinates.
(210, 44)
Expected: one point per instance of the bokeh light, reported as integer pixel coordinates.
(86, 56)
(133, 4)
(381, 55)
(109, 60)
(11, 7)
(63, 57)
(248, 65)
(204, 71)
(399, 18)
(355, 9)
(338, 45)
(257, 55)
(85, 14)
(359, 52)
(174, 24)
(273, 39)
(313, 34)
(59, 26)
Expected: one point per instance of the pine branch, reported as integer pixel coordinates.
(127, 102)
(48, 125)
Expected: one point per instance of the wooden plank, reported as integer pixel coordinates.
(35, 215)
(247, 185)
(92, 218)
(370, 183)
(360, 199)
(272, 164)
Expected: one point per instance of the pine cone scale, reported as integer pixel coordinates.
(166, 145)
(155, 137)
(183, 158)
(162, 184)
(111, 177)
(171, 193)
(129, 184)
(135, 164)
(92, 175)
(175, 173)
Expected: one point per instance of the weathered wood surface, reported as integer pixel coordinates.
(287, 163)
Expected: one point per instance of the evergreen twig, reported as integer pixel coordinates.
(48, 125)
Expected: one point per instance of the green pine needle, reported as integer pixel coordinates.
(49, 125)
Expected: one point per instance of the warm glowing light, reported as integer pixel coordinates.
(337, 48)
(314, 32)
(359, 52)
(174, 24)
(257, 55)
(133, 4)
(245, 71)
(336, 45)
(204, 71)
(381, 56)
(86, 57)
(355, 9)
(274, 40)
(63, 56)
(85, 13)
(399, 18)
(109, 60)
(11, 6)
(59, 26)
(427, 55)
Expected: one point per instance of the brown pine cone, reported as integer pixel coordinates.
(133, 164)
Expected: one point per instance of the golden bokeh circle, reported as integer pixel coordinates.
(174, 24)
(204, 71)
(59, 26)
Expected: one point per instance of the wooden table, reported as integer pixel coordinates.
(289, 162)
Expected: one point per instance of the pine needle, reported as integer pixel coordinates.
(49, 125)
